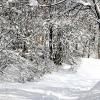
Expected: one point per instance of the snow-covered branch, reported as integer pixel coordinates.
(56, 3)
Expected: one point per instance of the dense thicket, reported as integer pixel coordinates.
(37, 37)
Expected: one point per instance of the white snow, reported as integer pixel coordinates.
(83, 2)
(90, 68)
(62, 85)
(33, 2)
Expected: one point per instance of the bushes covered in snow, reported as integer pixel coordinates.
(15, 68)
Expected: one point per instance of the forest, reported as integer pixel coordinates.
(39, 36)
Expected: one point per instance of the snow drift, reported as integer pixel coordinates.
(62, 85)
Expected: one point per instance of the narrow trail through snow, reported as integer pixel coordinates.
(59, 85)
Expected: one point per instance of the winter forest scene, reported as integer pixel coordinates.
(49, 49)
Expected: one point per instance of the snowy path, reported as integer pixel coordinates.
(83, 85)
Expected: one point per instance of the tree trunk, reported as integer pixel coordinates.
(99, 43)
(50, 32)
(88, 55)
(98, 17)
(50, 43)
(25, 48)
(58, 55)
(76, 46)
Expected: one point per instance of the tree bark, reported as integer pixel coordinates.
(98, 17)
(50, 43)
(99, 43)
(59, 53)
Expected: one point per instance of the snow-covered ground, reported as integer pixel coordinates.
(62, 85)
